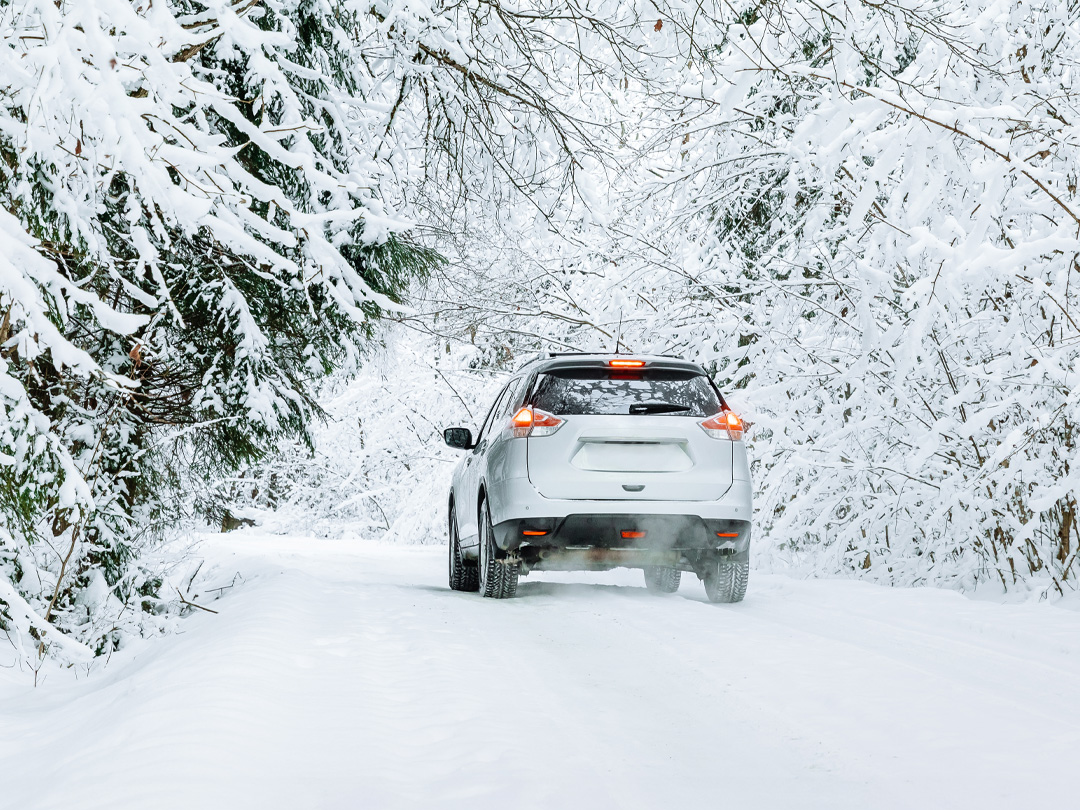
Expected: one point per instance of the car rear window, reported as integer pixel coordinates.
(602, 391)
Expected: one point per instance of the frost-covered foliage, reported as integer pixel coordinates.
(863, 218)
(194, 229)
(860, 215)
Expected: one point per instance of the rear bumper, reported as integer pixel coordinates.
(620, 530)
(575, 535)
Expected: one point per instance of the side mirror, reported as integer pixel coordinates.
(461, 438)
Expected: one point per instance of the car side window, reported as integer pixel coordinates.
(527, 384)
(492, 415)
(513, 397)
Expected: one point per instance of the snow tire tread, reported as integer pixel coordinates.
(726, 581)
(463, 577)
(500, 576)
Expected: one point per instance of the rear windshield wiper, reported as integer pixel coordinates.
(657, 407)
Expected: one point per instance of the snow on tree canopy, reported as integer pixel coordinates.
(194, 229)
(861, 217)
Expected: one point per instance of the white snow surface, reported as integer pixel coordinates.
(344, 674)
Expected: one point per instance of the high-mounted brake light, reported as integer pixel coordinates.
(725, 425)
(727, 534)
(533, 422)
(632, 535)
(533, 533)
(626, 363)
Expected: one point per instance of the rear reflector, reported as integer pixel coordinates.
(633, 535)
(626, 363)
(727, 534)
(532, 533)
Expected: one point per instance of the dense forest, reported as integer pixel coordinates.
(257, 253)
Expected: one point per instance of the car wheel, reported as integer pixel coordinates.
(661, 579)
(463, 577)
(726, 581)
(498, 577)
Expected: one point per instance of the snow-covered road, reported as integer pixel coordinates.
(344, 675)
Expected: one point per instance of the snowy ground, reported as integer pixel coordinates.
(344, 675)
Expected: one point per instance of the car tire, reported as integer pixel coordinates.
(498, 576)
(661, 579)
(463, 577)
(725, 581)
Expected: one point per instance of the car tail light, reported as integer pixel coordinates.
(534, 422)
(626, 363)
(725, 425)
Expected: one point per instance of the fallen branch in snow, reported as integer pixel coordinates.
(224, 588)
(184, 600)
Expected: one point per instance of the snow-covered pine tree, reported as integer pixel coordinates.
(195, 231)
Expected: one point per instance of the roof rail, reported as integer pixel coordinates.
(538, 356)
(650, 354)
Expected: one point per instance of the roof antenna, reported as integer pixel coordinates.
(618, 335)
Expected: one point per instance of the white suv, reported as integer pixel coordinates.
(592, 462)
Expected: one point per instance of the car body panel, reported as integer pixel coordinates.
(495, 456)
(656, 458)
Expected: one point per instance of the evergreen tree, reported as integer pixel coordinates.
(196, 200)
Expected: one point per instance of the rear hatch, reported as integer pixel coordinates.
(628, 434)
